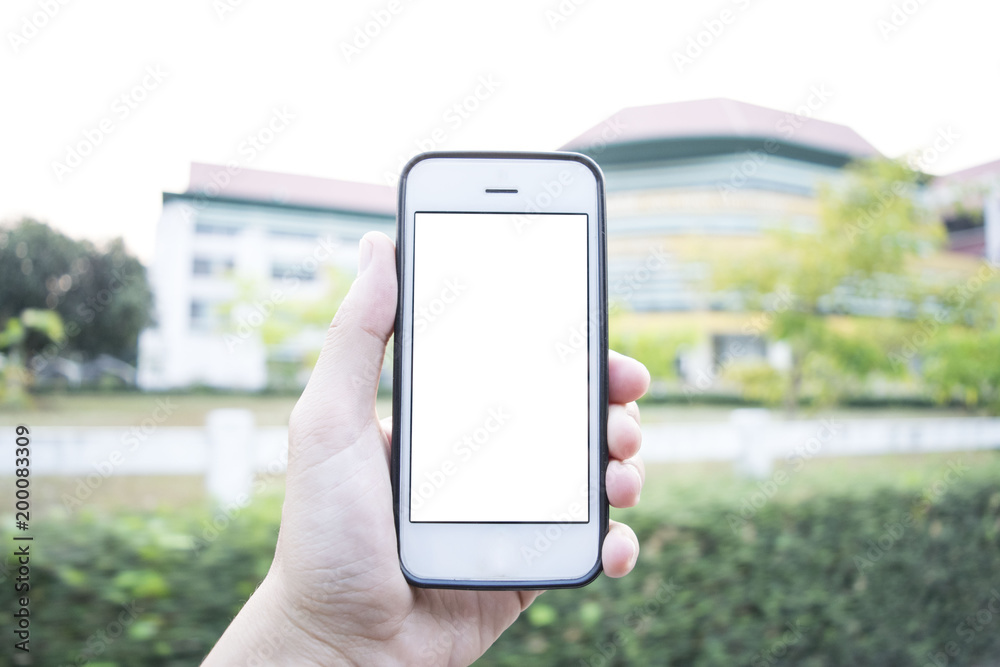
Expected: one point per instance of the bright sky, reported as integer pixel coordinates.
(201, 76)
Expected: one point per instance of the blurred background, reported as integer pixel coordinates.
(803, 241)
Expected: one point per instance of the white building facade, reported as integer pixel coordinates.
(228, 256)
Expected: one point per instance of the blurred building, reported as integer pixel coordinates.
(683, 180)
(969, 204)
(704, 178)
(231, 249)
(711, 170)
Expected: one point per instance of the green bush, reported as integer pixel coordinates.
(795, 585)
(877, 578)
(150, 589)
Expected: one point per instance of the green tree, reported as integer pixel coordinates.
(862, 258)
(101, 295)
(288, 324)
(962, 364)
(44, 324)
(656, 347)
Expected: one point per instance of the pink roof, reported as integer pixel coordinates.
(722, 117)
(293, 189)
(981, 172)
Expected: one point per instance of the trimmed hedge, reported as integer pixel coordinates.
(883, 578)
(879, 580)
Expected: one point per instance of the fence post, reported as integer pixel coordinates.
(230, 454)
(753, 432)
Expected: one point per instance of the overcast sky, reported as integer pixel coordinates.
(155, 86)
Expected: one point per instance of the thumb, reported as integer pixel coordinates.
(345, 379)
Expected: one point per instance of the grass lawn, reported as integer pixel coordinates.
(128, 409)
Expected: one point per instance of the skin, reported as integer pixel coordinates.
(335, 594)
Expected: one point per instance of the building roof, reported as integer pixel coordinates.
(683, 129)
(254, 185)
(977, 174)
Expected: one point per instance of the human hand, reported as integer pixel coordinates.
(335, 593)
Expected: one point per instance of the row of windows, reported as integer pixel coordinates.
(216, 266)
(212, 229)
(216, 230)
(208, 266)
(286, 270)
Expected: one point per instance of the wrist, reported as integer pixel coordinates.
(271, 629)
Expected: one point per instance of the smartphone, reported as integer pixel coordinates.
(499, 445)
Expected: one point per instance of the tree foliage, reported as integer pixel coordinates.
(37, 323)
(287, 319)
(963, 364)
(865, 259)
(657, 348)
(101, 294)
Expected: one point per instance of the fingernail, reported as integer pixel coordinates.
(365, 249)
(635, 554)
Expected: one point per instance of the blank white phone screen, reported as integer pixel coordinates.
(499, 411)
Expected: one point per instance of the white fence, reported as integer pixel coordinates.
(753, 440)
(229, 450)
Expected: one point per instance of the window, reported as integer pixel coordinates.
(218, 230)
(212, 266)
(202, 316)
(963, 220)
(201, 267)
(728, 348)
(292, 234)
(289, 270)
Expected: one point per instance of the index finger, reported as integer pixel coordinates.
(628, 379)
